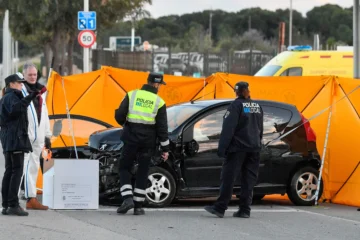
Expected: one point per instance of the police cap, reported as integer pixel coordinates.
(17, 77)
(241, 85)
(156, 78)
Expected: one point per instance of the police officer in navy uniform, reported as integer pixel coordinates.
(240, 145)
(143, 115)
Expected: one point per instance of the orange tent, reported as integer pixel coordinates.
(93, 97)
(313, 95)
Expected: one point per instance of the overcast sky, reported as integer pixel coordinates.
(167, 7)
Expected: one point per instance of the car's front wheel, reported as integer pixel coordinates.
(161, 188)
(303, 185)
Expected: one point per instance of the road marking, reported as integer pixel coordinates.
(188, 210)
(330, 217)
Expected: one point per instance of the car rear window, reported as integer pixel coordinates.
(268, 70)
(275, 119)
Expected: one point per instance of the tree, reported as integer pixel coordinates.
(53, 25)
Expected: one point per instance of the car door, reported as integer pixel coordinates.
(275, 121)
(202, 166)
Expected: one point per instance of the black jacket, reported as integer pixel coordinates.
(142, 133)
(242, 127)
(14, 122)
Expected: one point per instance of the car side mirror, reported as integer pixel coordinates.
(57, 128)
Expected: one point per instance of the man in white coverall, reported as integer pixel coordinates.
(39, 132)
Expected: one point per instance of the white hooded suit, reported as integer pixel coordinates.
(37, 133)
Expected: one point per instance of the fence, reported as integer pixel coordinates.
(183, 63)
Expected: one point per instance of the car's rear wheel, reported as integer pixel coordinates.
(303, 186)
(161, 188)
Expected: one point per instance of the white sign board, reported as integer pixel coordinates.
(72, 184)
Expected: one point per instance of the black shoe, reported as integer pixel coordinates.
(18, 211)
(212, 210)
(241, 214)
(126, 206)
(139, 211)
(4, 211)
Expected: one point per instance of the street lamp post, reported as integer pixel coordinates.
(86, 50)
(290, 24)
(356, 37)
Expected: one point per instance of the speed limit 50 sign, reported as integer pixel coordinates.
(86, 38)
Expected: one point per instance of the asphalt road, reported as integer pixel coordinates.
(270, 219)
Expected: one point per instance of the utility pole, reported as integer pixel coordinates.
(249, 23)
(86, 59)
(356, 38)
(290, 24)
(210, 25)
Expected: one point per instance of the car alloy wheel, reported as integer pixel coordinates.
(160, 188)
(307, 186)
(303, 185)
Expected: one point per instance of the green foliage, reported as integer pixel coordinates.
(41, 22)
(190, 32)
(53, 23)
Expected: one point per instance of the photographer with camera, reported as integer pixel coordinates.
(14, 140)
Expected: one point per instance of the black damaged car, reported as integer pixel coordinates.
(288, 165)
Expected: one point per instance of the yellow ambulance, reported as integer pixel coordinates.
(303, 61)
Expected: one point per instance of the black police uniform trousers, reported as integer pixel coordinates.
(132, 152)
(247, 165)
(14, 164)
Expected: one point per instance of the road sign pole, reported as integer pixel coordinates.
(86, 50)
(132, 38)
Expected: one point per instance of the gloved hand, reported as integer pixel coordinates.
(32, 95)
(47, 143)
(27, 100)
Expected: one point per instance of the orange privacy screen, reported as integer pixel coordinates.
(93, 97)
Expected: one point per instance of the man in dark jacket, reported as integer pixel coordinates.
(240, 144)
(14, 140)
(143, 115)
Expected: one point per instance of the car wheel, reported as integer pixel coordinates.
(303, 186)
(161, 188)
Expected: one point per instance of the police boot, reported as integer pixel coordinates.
(18, 211)
(241, 214)
(4, 211)
(139, 211)
(127, 204)
(213, 210)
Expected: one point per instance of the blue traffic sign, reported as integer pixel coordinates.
(86, 20)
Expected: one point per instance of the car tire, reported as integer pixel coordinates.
(301, 181)
(160, 189)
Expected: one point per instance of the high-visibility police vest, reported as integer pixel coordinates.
(143, 106)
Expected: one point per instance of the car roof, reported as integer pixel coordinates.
(218, 102)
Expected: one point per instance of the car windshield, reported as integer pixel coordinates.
(268, 70)
(178, 114)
